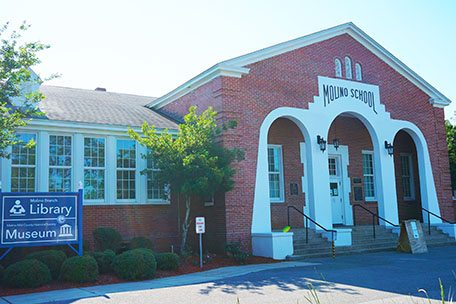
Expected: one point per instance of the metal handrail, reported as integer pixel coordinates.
(437, 216)
(373, 217)
(333, 232)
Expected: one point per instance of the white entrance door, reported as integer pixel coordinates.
(335, 188)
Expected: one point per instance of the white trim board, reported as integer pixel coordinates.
(236, 67)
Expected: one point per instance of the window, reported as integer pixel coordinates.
(338, 66)
(155, 191)
(23, 165)
(407, 177)
(332, 166)
(368, 172)
(276, 189)
(126, 169)
(94, 168)
(358, 73)
(60, 162)
(348, 68)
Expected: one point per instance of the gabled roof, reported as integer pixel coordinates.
(99, 107)
(236, 67)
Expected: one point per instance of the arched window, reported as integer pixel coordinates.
(338, 66)
(348, 68)
(358, 73)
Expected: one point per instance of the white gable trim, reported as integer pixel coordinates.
(235, 67)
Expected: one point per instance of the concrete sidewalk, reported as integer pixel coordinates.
(187, 279)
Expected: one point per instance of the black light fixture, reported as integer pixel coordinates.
(321, 142)
(335, 140)
(389, 148)
(336, 143)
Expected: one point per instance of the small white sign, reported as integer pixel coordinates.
(200, 226)
(415, 230)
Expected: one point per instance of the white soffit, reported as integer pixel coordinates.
(236, 67)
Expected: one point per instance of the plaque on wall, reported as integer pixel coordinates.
(358, 194)
(357, 180)
(294, 189)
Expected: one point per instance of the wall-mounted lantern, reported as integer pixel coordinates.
(336, 143)
(321, 142)
(389, 148)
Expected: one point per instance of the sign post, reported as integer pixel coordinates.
(41, 219)
(200, 229)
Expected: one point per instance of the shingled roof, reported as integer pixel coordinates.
(100, 107)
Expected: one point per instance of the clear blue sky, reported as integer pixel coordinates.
(151, 47)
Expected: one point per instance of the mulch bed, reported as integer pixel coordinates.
(189, 266)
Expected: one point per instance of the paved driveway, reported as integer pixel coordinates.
(386, 277)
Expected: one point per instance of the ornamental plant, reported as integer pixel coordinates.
(193, 162)
(80, 269)
(239, 250)
(27, 274)
(53, 259)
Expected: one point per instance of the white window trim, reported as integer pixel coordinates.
(370, 198)
(61, 167)
(336, 62)
(358, 73)
(129, 200)
(411, 177)
(27, 166)
(98, 201)
(281, 180)
(348, 68)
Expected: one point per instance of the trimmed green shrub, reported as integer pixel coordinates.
(141, 242)
(167, 261)
(107, 238)
(80, 269)
(53, 259)
(27, 274)
(104, 260)
(135, 264)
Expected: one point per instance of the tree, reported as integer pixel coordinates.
(191, 162)
(451, 139)
(18, 96)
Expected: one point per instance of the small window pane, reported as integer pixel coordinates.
(359, 75)
(276, 190)
(338, 67)
(23, 164)
(348, 68)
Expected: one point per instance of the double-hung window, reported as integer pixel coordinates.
(126, 169)
(275, 167)
(155, 190)
(368, 172)
(23, 165)
(60, 162)
(407, 177)
(94, 168)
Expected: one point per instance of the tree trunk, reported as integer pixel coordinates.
(185, 225)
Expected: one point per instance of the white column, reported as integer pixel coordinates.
(385, 182)
(42, 165)
(110, 182)
(78, 161)
(318, 184)
(141, 164)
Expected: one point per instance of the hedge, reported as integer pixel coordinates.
(27, 274)
(80, 269)
(167, 261)
(107, 238)
(53, 259)
(104, 260)
(135, 264)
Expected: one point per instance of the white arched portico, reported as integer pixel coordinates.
(336, 96)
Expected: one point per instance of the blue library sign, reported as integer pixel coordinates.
(41, 219)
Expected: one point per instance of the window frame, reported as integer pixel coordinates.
(348, 67)
(61, 167)
(369, 198)
(135, 169)
(25, 166)
(410, 176)
(160, 201)
(358, 74)
(104, 168)
(336, 63)
(281, 199)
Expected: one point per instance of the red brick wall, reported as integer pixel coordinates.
(284, 132)
(157, 222)
(290, 80)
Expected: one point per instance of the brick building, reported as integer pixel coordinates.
(329, 120)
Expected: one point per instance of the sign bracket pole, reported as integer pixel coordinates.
(6, 252)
